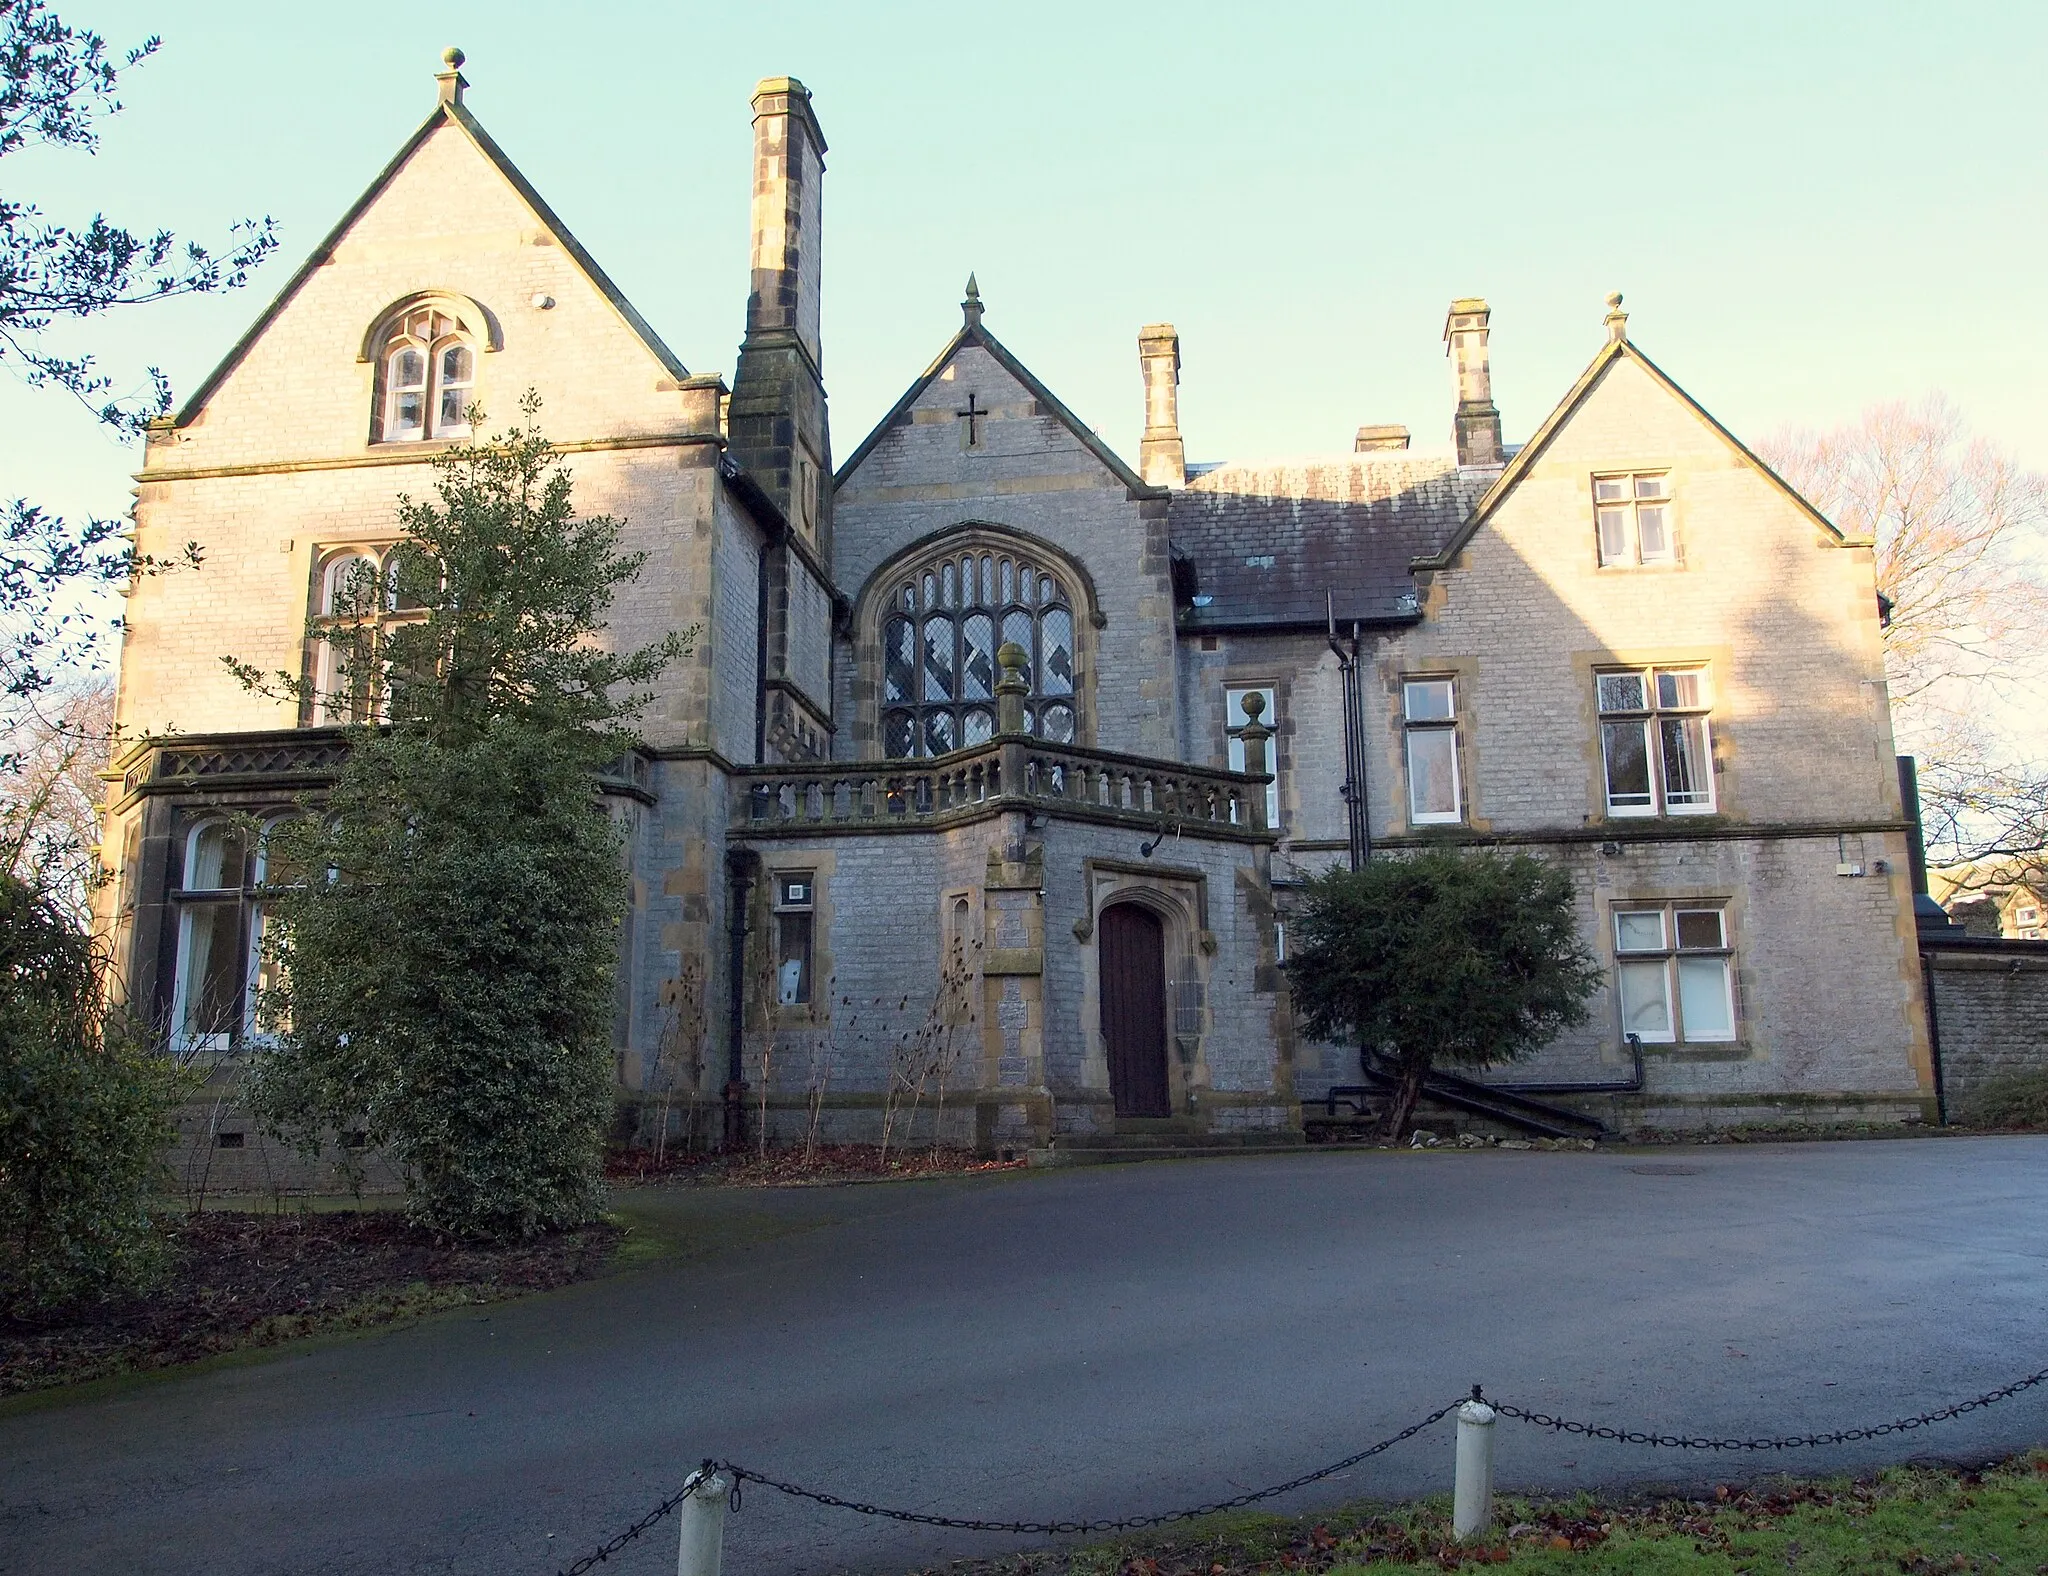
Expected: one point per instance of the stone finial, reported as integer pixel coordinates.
(1255, 736)
(450, 77)
(1616, 320)
(970, 309)
(1012, 662)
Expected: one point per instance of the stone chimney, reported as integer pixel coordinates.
(1373, 440)
(1476, 427)
(1162, 458)
(776, 419)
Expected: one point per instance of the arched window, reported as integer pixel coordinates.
(940, 633)
(358, 600)
(426, 377)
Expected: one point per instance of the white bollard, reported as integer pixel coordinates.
(702, 1518)
(1472, 1498)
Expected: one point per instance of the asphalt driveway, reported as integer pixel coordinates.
(1087, 1343)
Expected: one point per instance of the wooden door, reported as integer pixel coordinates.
(1134, 1009)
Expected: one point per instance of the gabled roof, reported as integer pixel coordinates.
(1613, 351)
(456, 115)
(973, 333)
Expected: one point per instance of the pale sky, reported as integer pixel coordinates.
(1809, 206)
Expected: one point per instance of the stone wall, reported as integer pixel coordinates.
(1991, 1009)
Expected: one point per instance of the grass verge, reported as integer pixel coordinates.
(1913, 1521)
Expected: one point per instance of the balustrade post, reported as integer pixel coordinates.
(1256, 735)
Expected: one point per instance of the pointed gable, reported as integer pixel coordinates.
(974, 360)
(1618, 358)
(450, 217)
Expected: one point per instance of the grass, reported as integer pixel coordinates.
(1906, 1521)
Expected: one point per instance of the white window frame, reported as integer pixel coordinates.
(1413, 725)
(1670, 957)
(789, 902)
(429, 332)
(1651, 719)
(1234, 721)
(330, 707)
(1620, 499)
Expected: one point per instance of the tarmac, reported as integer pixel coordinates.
(1096, 1342)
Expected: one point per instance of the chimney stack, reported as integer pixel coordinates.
(776, 418)
(1476, 427)
(1162, 457)
(1373, 440)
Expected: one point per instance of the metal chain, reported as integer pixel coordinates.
(740, 1474)
(1841, 1436)
(1118, 1524)
(599, 1555)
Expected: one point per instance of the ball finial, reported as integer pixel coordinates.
(1614, 301)
(453, 58)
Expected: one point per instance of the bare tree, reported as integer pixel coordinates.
(1960, 532)
(49, 825)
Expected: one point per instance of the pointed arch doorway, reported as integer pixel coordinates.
(1134, 1009)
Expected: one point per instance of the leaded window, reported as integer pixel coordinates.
(944, 625)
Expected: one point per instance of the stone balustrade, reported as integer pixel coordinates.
(1006, 773)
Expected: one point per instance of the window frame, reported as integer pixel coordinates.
(1008, 594)
(375, 623)
(1411, 727)
(787, 908)
(1627, 509)
(1669, 958)
(1234, 723)
(1651, 721)
(430, 329)
(248, 896)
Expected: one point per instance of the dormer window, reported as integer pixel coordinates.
(426, 372)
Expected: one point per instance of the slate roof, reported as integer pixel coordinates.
(1261, 545)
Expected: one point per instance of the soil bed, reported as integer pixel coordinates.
(247, 1280)
(794, 1166)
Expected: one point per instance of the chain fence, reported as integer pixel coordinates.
(741, 1475)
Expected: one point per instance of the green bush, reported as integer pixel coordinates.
(1450, 955)
(85, 1117)
(2009, 1100)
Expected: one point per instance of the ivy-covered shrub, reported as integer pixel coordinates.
(85, 1117)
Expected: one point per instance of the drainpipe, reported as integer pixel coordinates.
(740, 865)
(1358, 823)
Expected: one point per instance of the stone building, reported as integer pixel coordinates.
(966, 788)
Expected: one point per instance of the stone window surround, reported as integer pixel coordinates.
(1653, 716)
(244, 893)
(873, 606)
(1732, 901)
(1628, 505)
(474, 324)
(1453, 724)
(313, 710)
